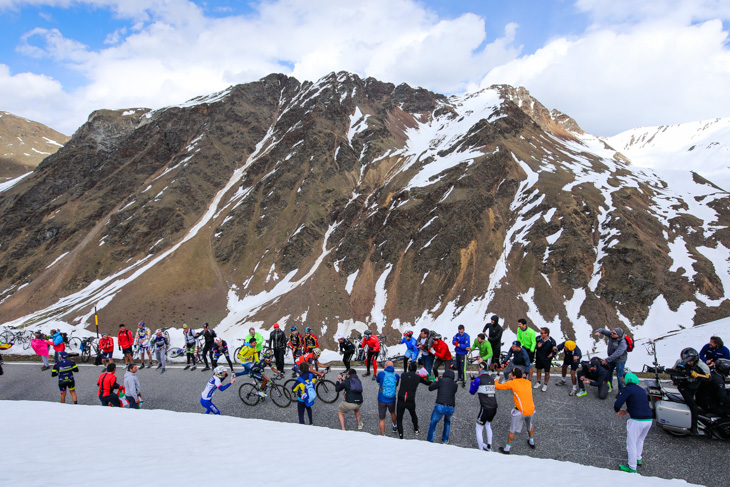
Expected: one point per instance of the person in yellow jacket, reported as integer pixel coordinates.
(247, 356)
(524, 407)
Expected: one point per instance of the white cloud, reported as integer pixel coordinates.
(654, 72)
(175, 52)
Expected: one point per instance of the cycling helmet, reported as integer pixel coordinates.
(408, 333)
(266, 355)
(219, 340)
(689, 355)
(185, 326)
(220, 370)
(367, 333)
(205, 325)
(62, 355)
(436, 337)
(317, 352)
(140, 324)
(293, 328)
(722, 366)
(570, 345)
(158, 331)
(307, 330)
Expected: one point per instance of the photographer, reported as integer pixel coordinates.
(353, 397)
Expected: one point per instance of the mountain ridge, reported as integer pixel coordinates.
(348, 202)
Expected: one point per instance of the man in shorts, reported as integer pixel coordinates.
(544, 354)
(65, 369)
(524, 408)
(571, 359)
(142, 340)
(106, 344)
(125, 340)
(353, 397)
(388, 381)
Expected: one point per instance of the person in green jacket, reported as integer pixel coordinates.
(252, 333)
(485, 348)
(528, 338)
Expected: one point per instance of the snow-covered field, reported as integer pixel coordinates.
(79, 445)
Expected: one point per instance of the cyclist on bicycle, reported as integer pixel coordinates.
(220, 349)
(142, 340)
(411, 349)
(310, 358)
(214, 384)
(257, 371)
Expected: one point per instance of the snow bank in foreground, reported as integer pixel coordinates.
(69, 449)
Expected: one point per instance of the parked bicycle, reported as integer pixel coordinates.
(279, 394)
(89, 346)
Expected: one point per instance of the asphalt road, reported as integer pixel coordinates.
(581, 430)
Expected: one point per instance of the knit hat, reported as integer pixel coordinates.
(630, 378)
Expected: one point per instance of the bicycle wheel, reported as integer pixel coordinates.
(288, 386)
(326, 391)
(74, 345)
(6, 337)
(235, 352)
(248, 394)
(279, 395)
(26, 343)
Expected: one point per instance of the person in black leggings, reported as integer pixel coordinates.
(209, 339)
(407, 398)
(347, 349)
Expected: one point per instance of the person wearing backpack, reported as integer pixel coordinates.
(388, 381)
(305, 392)
(617, 355)
(353, 397)
(58, 345)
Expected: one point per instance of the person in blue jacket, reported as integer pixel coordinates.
(713, 351)
(639, 424)
(411, 354)
(461, 343)
(58, 346)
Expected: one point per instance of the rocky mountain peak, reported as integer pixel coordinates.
(24, 144)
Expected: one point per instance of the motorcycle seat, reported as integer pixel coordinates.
(674, 397)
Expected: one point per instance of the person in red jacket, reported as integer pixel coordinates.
(107, 349)
(373, 345)
(443, 356)
(108, 386)
(125, 339)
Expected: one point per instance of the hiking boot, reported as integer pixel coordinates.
(187, 367)
(626, 468)
(502, 450)
(537, 385)
(544, 388)
(581, 393)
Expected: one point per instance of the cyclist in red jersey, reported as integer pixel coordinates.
(373, 345)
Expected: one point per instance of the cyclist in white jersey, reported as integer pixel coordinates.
(142, 339)
(215, 383)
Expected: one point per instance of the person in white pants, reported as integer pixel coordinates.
(639, 424)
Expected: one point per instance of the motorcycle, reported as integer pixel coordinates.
(671, 412)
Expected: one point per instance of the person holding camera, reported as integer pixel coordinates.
(353, 397)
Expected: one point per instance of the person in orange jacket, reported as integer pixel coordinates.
(107, 348)
(524, 407)
(440, 350)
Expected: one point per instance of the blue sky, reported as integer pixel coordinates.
(610, 64)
